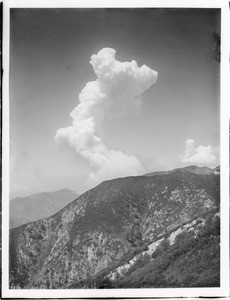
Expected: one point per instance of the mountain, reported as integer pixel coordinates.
(192, 169)
(38, 206)
(110, 225)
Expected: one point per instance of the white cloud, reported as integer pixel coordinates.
(111, 164)
(202, 155)
(115, 93)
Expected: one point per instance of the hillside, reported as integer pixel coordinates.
(188, 256)
(38, 206)
(191, 260)
(108, 225)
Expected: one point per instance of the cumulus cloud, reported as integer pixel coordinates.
(116, 92)
(202, 155)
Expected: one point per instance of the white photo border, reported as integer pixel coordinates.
(223, 290)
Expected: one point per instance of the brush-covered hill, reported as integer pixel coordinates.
(115, 220)
(38, 206)
(187, 256)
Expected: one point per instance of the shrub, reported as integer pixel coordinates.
(198, 221)
(165, 244)
(161, 248)
(157, 251)
(145, 248)
(39, 236)
(216, 226)
(137, 251)
(141, 261)
(104, 283)
(181, 236)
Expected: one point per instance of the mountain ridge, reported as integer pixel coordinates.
(191, 168)
(38, 206)
(105, 224)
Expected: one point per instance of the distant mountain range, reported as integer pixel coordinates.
(156, 230)
(38, 206)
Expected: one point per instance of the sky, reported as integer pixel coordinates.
(84, 109)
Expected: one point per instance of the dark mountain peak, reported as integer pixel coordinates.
(192, 169)
(199, 170)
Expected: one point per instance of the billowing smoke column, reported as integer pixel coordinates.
(114, 93)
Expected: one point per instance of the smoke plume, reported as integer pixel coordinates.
(115, 93)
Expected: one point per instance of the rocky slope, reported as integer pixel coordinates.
(107, 223)
(188, 256)
(38, 206)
